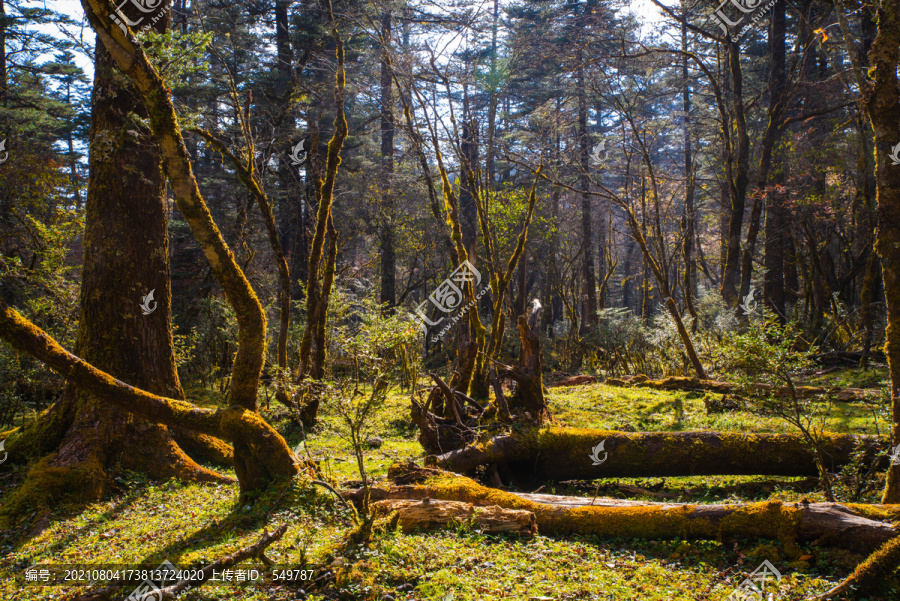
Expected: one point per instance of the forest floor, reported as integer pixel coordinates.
(191, 525)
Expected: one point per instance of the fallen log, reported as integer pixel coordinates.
(567, 454)
(574, 381)
(854, 526)
(429, 514)
(696, 384)
(870, 573)
(848, 358)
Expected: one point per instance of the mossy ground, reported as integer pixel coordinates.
(192, 525)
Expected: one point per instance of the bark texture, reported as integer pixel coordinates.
(429, 514)
(129, 57)
(883, 105)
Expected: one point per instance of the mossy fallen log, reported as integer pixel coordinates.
(428, 514)
(854, 526)
(568, 453)
(696, 384)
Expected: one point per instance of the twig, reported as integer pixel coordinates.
(334, 492)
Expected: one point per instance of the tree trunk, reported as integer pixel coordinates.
(589, 287)
(662, 282)
(775, 199)
(388, 295)
(883, 105)
(737, 167)
(566, 454)
(122, 330)
(529, 394)
(690, 218)
(318, 288)
(856, 527)
(247, 175)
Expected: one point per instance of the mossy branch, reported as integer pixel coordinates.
(875, 569)
(246, 428)
(247, 176)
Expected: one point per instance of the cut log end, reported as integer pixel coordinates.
(431, 514)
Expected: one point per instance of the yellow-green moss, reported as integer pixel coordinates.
(769, 519)
(46, 484)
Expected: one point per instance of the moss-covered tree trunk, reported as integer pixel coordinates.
(125, 328)
(260, 454)
(883, 105)
(321, 271)
(857, 527)
(574, 453)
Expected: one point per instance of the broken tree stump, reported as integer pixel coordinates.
(429, 514)
(567, 454)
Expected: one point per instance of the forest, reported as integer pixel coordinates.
(395, 300)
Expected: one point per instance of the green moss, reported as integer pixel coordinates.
(46, 484)
(769, 519)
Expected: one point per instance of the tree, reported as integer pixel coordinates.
(883, 107)
(83, 435)
(260, 454)
(320, 274)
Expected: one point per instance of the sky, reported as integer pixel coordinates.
(645, 10)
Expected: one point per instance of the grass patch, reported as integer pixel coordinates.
(194, 524)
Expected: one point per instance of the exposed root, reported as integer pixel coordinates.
(880, 565)
(204, 447)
